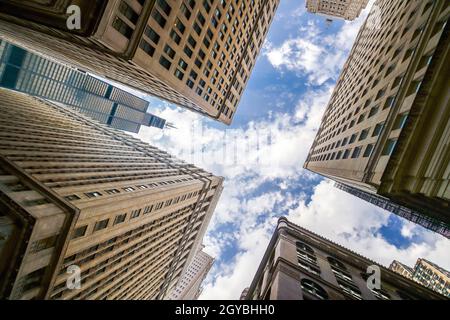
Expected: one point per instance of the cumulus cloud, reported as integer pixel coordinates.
(313, 54)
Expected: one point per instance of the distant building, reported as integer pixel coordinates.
(26, 72)
(427, 274)
(343, 9)
(386, 128)
(301, 265)
(196, 54)
(189, 286)
(76, 193)
(402, 269)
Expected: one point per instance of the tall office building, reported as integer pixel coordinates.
(385, 129)
(301, 265)
(78, 194)
(344, 9)
(197, 54)
(29, 73)
(189, 286)
(427, 274)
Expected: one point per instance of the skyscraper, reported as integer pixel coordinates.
(197, 54)
(189, 286)
(29, 73)
(427, 274)
(385, 129)
(301, 265)
(76, 195)
(344, 9)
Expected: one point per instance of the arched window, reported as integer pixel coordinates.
(350, 289)
(336, 263)
(381, 294)
(306, 258)
(313, 289)
(304, 247)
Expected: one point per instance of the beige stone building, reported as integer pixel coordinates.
(402, 269)
(427, 274)
(344, 9)
(385, 129)
(78, 194)
(189, 286)
(301, 265)
(196, 54)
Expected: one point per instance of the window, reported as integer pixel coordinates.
(122, 27)
(368, 151)
(120, 218)
(175, 37)
(128, 189)
(313, 289)
(346, 154)
(72, 197)
(150, 50)
(93, 194)
(380, 294)
(336, 263)
(112, 191)
(79, 232)
(169, 51)
(188, 51)
(350, 289)
(389, 147)
(43, 244)
(159, 18)
(101, 225)
(373, 111)
(192, 42)
(152, 35)
(183, 64)
(377, 129)
(179, 74)
(128, 12)
(363, 134)
(165, 63)
(356, 152)
(164, 6)
(400, 121)
(180, 26)
(135, 214)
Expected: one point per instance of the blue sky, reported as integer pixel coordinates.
(261, 156)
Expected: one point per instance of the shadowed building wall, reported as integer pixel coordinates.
(301, 265)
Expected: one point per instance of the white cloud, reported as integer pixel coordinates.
(311, 53)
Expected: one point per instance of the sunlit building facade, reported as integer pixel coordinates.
(385, 129)
(76, 195)
(196, 54)
(427, 274)
(344, 9)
